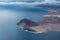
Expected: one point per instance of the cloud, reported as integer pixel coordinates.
(30, 0)
(31, 3)
(21, 0)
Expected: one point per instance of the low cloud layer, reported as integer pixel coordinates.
(30, 0)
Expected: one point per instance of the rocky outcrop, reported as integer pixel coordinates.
(48, 24)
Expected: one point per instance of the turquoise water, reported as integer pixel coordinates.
(10, 15)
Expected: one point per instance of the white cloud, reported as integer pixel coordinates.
(32, 3)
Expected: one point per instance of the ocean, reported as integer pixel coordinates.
(10, 15)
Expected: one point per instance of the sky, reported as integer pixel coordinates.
(50, 1)
(29, 0)
(22, 0)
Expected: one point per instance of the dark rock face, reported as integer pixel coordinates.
(28, 22)
(43, 26)
(51, 22)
